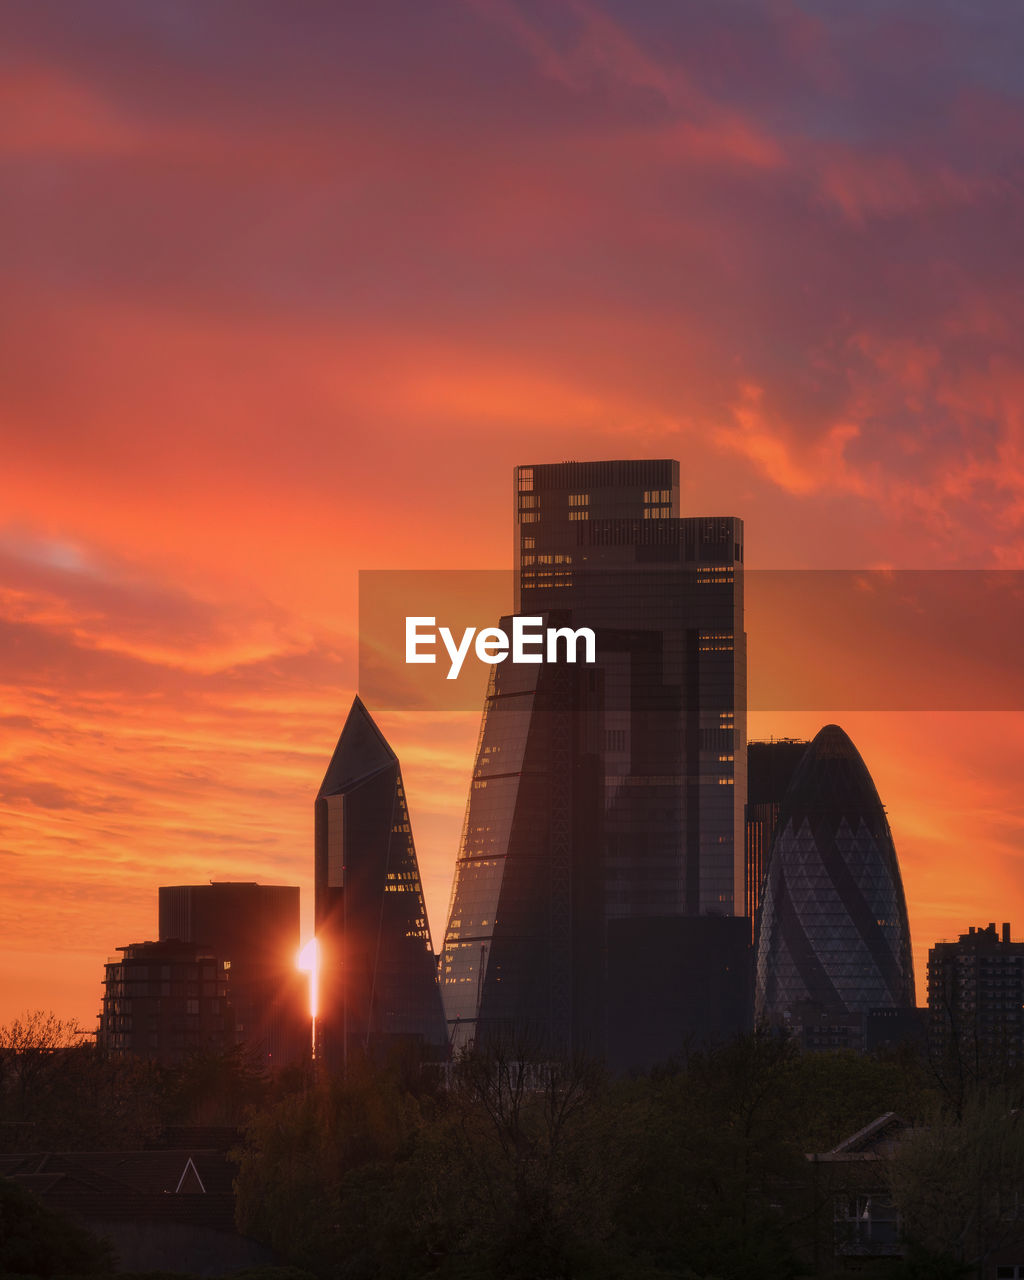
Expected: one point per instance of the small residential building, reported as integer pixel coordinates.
(858, 1220)
(160, 1210)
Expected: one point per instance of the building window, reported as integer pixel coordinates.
(335, 842)
(525, 479)
(864, 1221)
(657, 504)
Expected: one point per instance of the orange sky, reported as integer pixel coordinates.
(287, 291)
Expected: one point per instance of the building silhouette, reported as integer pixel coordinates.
(770, 769)
(677, 983)
(607, 794)
(833, 940)
(528, 859)
(222, 974)
(254, 930)
(165, 1001)
(976, 1001)
(378, 973)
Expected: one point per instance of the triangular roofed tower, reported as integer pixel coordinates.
(378, 974)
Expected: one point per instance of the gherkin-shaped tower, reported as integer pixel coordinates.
(834, 939)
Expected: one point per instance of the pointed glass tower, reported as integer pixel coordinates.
(378, 975)
(834, 939)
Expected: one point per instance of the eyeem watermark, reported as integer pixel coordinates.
(531, 641)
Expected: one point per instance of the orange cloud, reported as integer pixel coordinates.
(796, 466)
(280, 306)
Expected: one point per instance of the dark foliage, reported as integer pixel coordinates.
(35, 1241)
(528, 1171)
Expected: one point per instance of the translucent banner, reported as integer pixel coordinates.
(865, 640)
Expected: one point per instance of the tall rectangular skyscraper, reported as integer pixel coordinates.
(253, 929)
(606, 793)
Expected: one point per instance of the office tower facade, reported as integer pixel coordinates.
(976, 1001)
(675, 984)
(378, 974)
(527, 860)
(165, 1001)
(614, 790)
(254, 930)
(834, 938)
(770, 769)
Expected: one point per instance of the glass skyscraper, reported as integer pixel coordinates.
(770, 769)
(834, 939)
(378, 975)
(610, 792)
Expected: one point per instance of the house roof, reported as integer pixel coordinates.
(129, 1184)
(874, 1142)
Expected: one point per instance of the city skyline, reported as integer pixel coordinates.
(279, 309)
(446, 885)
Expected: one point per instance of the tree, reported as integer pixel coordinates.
(719, 1176)
(959, 1183)
(515, 1169)
(36, 1241)
(27, 1048)
(302, 1184)
(216, 1086)
(59, 1092)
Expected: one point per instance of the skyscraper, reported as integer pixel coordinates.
(253, 929)
(378, 975)
(770, 769)
(607, 793)
(222, 974)
(834, 939)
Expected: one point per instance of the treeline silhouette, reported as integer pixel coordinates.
(502, 1164)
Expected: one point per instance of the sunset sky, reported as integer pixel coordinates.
(287, 290)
